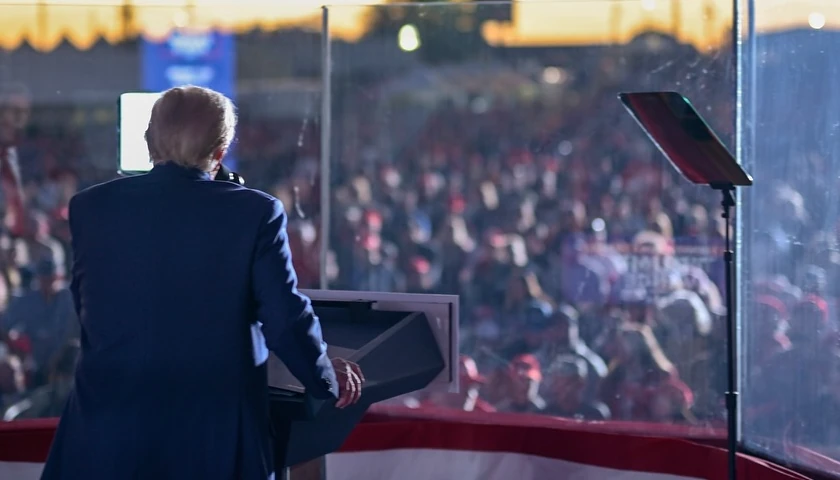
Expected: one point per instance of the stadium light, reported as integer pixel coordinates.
(408, 38)
(816, 20)
(552, 75)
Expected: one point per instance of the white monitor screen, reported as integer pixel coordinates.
(135, 112)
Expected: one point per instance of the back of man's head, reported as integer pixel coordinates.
(191, 126)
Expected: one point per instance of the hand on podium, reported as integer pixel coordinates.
(350, 379)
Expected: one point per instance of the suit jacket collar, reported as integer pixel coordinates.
(172, 170)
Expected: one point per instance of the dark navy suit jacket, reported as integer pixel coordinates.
(172, 273)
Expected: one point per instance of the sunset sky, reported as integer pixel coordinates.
(536, 22)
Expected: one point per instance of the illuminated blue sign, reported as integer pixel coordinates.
(205, 59)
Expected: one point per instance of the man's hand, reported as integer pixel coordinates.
(350, 380)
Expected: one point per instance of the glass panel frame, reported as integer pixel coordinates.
(722, 118)
(787, 260)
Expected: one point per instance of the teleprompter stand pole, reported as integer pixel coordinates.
(694, 150)
(728, 202)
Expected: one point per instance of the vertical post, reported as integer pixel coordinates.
(732, 403)
(42, 19)
(285, 473)
(326, 135)
(616, 16)
(676, 19)
(741, 33)
(745, 141)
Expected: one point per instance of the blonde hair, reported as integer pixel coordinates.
(188, 125)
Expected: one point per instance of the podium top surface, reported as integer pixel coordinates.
(355, 323)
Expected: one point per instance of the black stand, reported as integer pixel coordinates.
(700, 157)
(398, 352)
(727, 202)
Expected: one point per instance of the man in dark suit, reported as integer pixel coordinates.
(180, 283)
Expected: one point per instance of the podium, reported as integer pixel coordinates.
(402, 342)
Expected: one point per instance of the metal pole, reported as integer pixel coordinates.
(326, 134)
(738, 269)
(285, 473)
(728, 202)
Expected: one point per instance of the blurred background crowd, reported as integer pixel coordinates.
(590, 274)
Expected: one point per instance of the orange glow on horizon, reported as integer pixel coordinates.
(704, 23)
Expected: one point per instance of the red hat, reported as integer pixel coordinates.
(421, 265)
(19, 342)
(496, 238)
(373, 219)
(812, 304)
(370, 241)
(527, 365)
(457, 204)
(773, 303)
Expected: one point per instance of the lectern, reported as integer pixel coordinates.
(402, 342)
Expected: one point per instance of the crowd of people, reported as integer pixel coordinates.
(38, 321)
(590, 274)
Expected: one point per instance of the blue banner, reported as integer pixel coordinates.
(206, 59)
